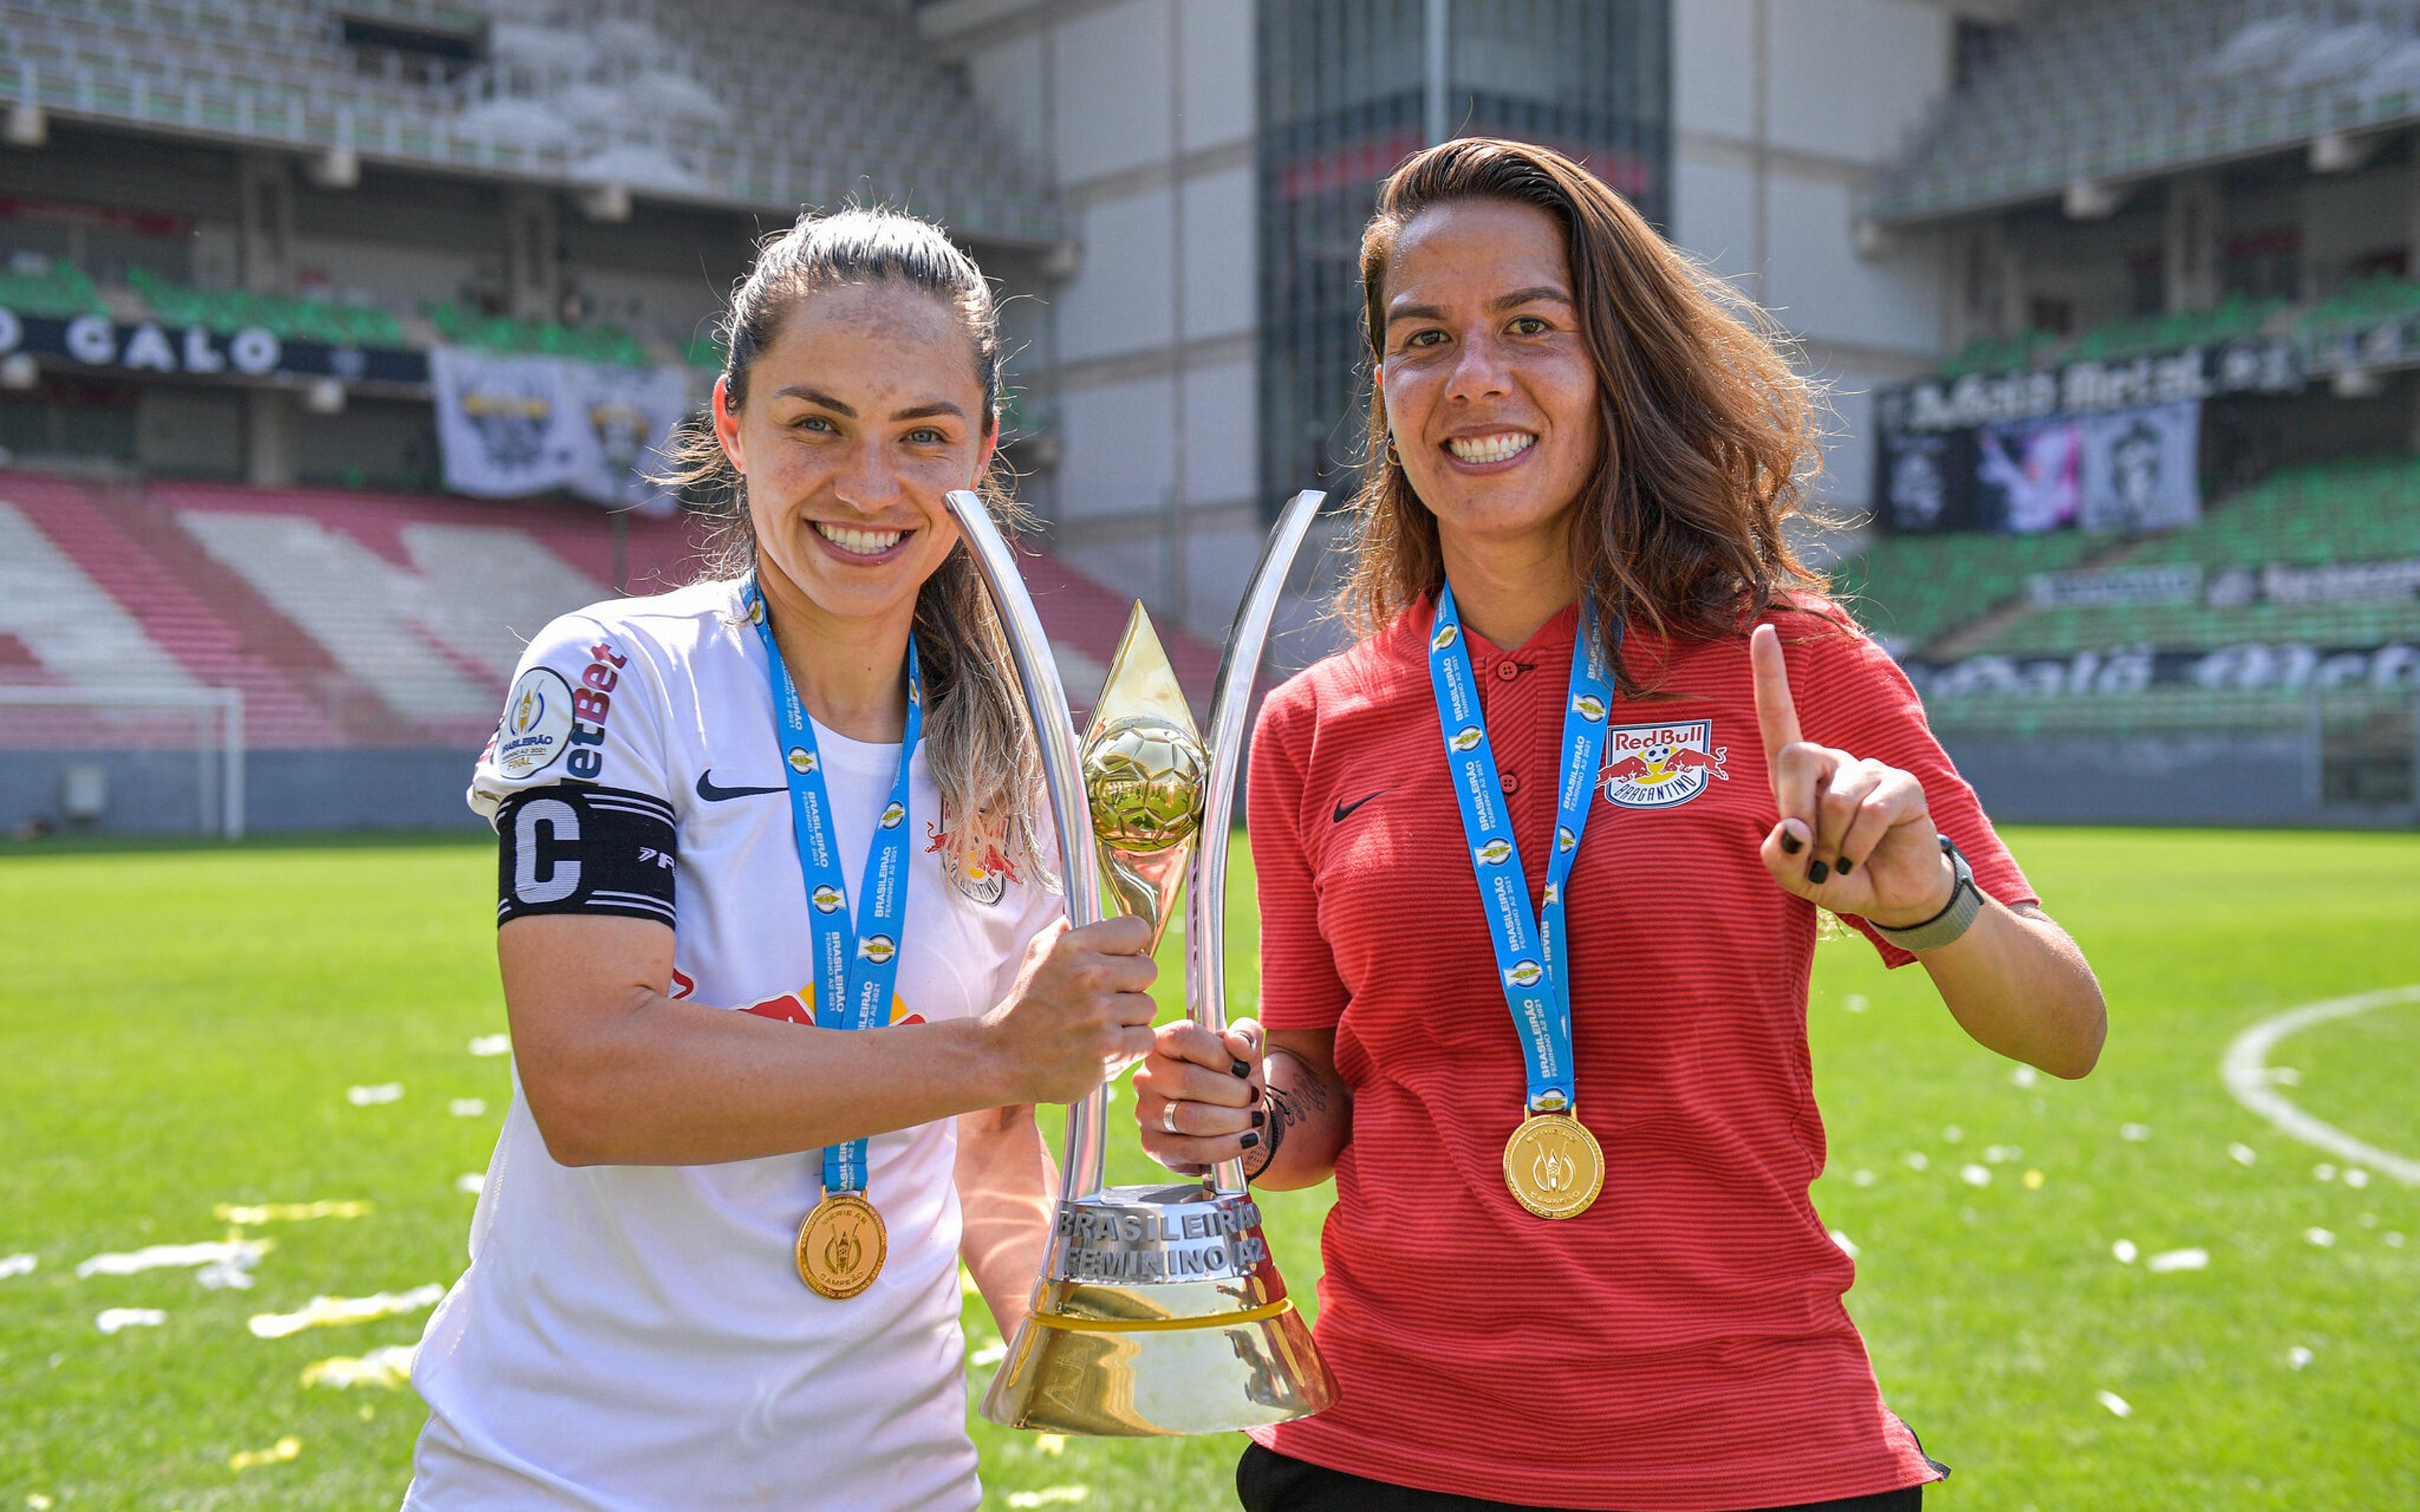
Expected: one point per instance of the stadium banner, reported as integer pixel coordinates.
(1926, 482)
(2029, 476)
(2190, 583)
(2115, 587)
(2082, 388)
(2140, 471)
(2251, 667)
(96, 341)
(509, 426)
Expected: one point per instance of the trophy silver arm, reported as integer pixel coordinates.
(1084, 1167)
(1230, 704)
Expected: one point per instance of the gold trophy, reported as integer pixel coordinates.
(1158, 1309)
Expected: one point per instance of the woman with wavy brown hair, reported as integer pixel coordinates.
(1540, 862)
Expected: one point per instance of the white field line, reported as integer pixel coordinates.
(2245, 1069)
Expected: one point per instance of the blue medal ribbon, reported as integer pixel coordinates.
(1530, 952)
(856, 967)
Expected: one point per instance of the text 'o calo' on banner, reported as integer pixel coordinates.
(509, 426)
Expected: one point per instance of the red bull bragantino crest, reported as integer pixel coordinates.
(1660, 765)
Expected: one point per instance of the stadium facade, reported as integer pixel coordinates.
(281, 270)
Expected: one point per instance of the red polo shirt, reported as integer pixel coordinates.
(1682, 1345)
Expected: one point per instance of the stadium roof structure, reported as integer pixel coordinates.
(2084, 96)
(744, 104)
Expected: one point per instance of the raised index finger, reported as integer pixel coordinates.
(1775, 715)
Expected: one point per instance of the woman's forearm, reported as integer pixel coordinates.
(676, 1082)
(1007, 1192)
(1310, 1118)
(2017, 984)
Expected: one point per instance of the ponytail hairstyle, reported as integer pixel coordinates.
(978, 741)
(1709, 436)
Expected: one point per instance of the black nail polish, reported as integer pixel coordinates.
(1817, 872)
(1789, 844)
(1259, 1118)
(1251, 1140)
(1844, 866)
(1240, 1068)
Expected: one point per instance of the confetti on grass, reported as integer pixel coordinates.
(1914, 1160)
(362, 1097)
(283, 1451)
(2299, 1356)
(114, 1318)
(2023, 1076)
(389, 1367)
(992, 1353)
(471, 1183)
(2178, 1260)
(468, 1107)
(2125, 1251)
(18, 1265)
(2134, 1132)
(2320, 1237)
(1050, 1496)
(2033, 1181)
(325, 1311)
(1855, 1003)
(237, 1255)
(2242, 1154)
(290, 1212)
(1053, 1444)
(1974, 1174)
(492, 1044)
(1847, 1246)
(2117, 1405)
(2356, 1178)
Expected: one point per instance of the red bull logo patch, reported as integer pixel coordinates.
(1660, 765)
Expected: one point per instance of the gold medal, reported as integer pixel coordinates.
(1554, 1166)
(841, 1245)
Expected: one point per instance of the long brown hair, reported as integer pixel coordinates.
(978, 741)
(1709, 434)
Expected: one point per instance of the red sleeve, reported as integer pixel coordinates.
(1299, 987)
(1851, 695)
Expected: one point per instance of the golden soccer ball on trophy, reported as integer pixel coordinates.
(1144, 777)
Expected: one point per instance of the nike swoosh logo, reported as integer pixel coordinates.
(707, 790)
(1343, 811)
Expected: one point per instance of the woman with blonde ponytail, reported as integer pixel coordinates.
(784, 971)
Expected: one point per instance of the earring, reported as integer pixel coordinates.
(1394, 458)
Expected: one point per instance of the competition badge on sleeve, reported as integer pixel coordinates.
(1553, 1165)
(842, 1243)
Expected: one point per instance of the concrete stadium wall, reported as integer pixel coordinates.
(2247, 779)
(157, 791)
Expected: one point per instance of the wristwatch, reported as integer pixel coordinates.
(1965, 901)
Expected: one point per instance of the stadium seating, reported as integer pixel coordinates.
(354, 620)
(34, 284)
(1908, 589)
(2319, 516)
(2121, 89)
(2360, 304)
(231, 310)
(600, 343)
(844, 78)
(2235, 315)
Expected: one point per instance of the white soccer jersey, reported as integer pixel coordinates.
(637, 1337)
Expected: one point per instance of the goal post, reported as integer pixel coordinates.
(217, 740)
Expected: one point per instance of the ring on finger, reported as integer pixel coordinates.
(1167, 1117)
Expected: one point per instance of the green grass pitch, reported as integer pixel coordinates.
(179, 1026)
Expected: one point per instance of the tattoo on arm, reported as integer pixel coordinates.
(1286, 1107)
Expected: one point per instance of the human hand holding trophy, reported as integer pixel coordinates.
(1160, 1309)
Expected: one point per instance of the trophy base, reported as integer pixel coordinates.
(1165, 1317)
